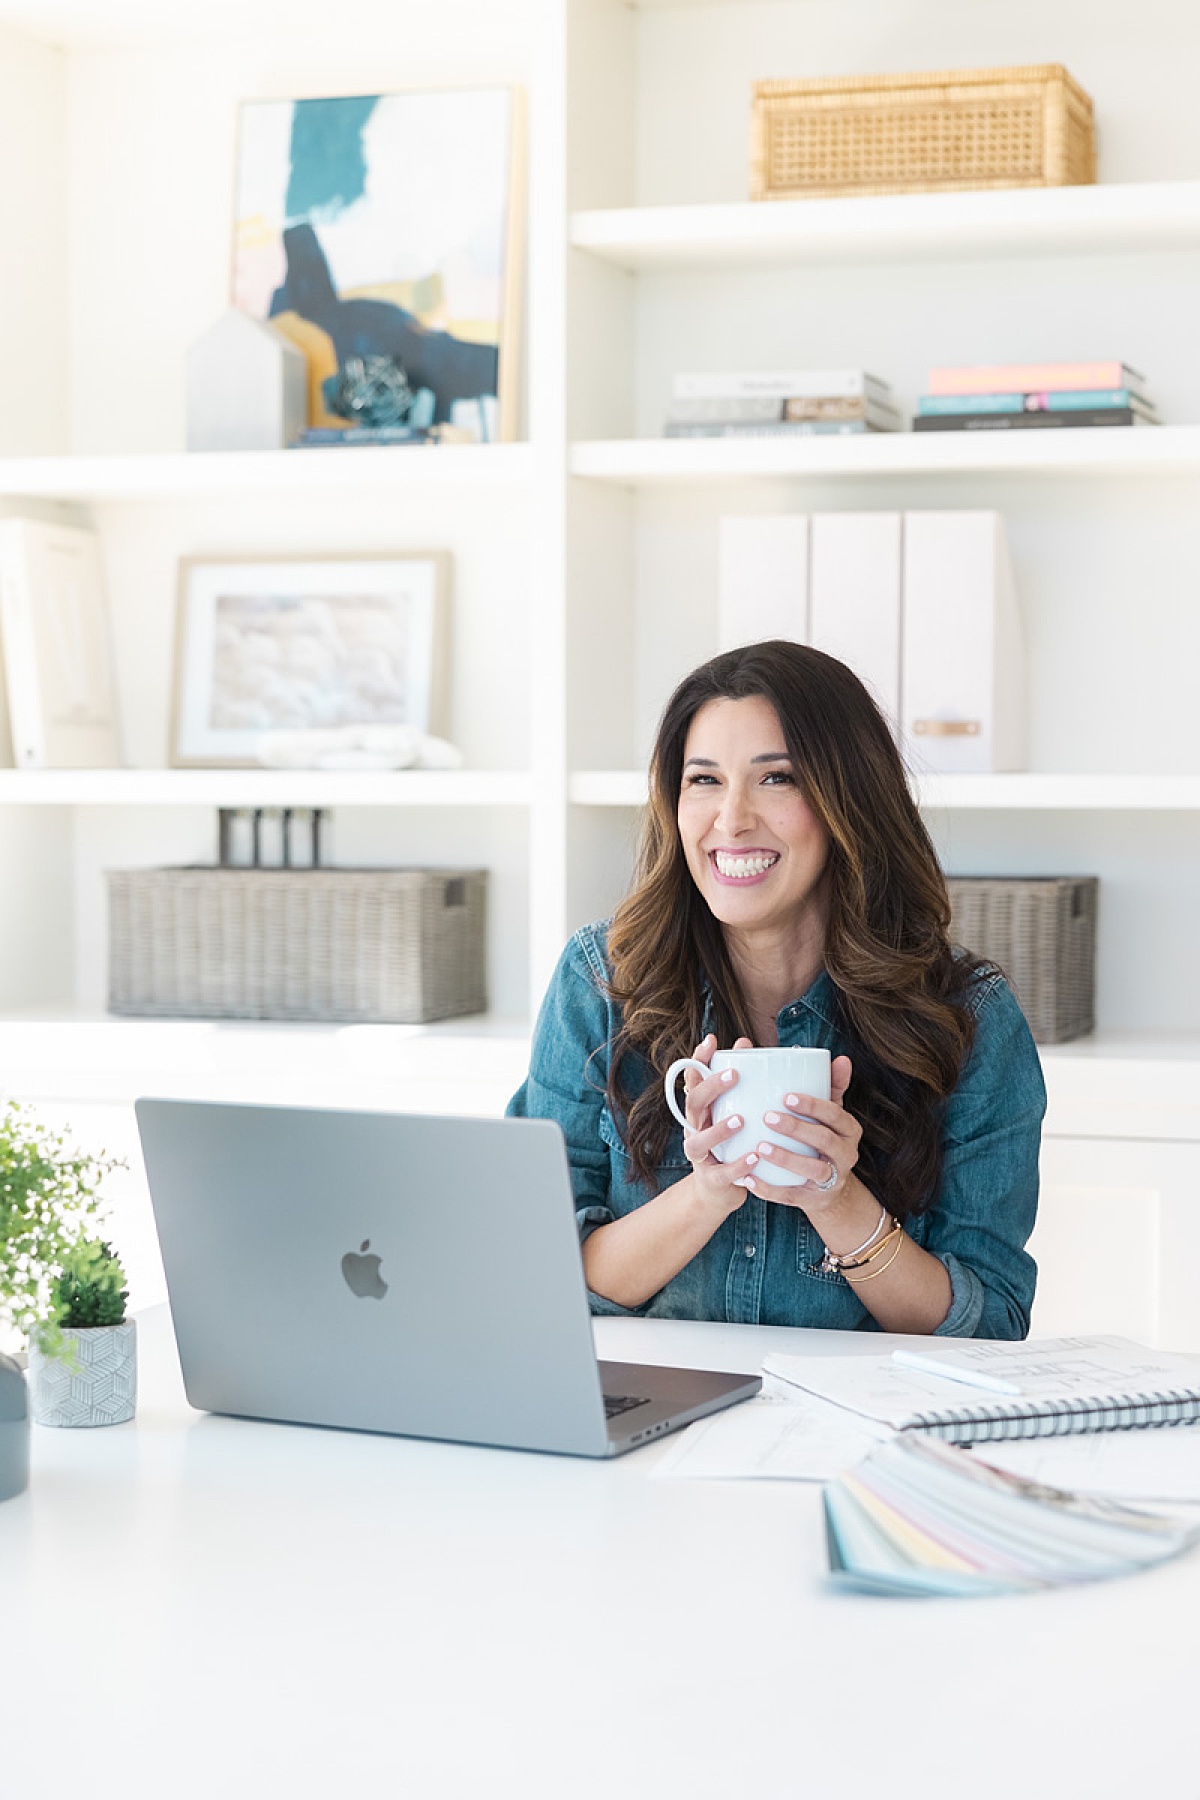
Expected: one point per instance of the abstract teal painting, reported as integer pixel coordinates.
(379, 233)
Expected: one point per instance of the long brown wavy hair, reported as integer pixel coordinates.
(900, 990)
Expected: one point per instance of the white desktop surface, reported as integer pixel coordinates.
(196, 1605)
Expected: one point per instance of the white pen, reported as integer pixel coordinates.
(933, 1365)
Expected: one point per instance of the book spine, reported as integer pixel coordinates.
(1065, 401)
(361, 434)
(1032, 378)
(784, 428)
(770, 412)
(760, 411)
(873, 411)
(815, 384)
(1030, 421)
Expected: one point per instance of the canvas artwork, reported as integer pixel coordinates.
(315, 645)
(379, 234)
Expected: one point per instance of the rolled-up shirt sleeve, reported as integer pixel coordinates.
(988, 1195)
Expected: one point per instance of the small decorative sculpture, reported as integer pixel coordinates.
(370, 390)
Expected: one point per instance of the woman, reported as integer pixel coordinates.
(787, 892)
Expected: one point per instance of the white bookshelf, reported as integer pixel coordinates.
(327, 471)
(1076, 450)
(1032, 222)
(264, 788)
(974, 793)
(584, 555)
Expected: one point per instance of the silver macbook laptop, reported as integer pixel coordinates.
(393, 1272)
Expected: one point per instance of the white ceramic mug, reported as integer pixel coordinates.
(763, 1078)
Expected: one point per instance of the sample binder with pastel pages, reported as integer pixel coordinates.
(1054, 1386)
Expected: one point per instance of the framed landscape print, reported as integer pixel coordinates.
(387, 226)
(305, 644)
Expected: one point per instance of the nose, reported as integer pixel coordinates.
(736, 814)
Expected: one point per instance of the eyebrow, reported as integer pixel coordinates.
(707, 762)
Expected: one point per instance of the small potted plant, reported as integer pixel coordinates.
(88, 1375)
(49, 1196)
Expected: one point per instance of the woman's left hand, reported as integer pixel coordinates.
(826, 1127)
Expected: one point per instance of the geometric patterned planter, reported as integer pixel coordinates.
(95, 1385)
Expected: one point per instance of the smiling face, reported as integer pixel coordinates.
(753, 846)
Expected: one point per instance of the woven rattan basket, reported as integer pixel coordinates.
(904, 134)
(397, 945)
(1042, 932)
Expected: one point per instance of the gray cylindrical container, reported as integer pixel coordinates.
(14, 1430)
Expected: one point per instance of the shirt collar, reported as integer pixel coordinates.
(818, 998)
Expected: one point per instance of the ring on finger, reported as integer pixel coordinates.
(824, 1187)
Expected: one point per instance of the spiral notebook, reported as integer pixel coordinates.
(1060, 1386)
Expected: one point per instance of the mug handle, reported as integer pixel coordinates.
(671, 1078)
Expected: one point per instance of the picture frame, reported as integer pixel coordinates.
(390, 226)
(294, 643)
(56, 663)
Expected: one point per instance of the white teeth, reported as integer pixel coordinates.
(742, 866)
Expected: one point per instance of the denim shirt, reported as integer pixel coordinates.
(760, 1265)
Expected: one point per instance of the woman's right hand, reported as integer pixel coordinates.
(722, 1185)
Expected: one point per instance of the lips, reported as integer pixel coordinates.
(743, 866)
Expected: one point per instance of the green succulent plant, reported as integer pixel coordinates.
(49, 1197)
(91, 1288)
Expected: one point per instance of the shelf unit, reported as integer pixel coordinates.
(975, 793)
(584, 555)
(1075, 450)
(264, 787)
(174, 475)
(1026, 222)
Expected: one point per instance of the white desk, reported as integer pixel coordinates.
(257, 1610)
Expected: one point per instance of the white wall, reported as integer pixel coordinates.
(696, 65)
(33, 247)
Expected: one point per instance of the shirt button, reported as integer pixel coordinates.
(749, 1249)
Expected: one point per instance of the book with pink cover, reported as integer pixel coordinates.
(1028, 378)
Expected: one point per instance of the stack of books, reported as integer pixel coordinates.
(1017, 396)
(784, 403)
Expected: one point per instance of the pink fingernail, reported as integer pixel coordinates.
(733, 1123)
(770, 1118)
(727, 1076)
(792, 1100)
(766, 1150)
(751, 1159)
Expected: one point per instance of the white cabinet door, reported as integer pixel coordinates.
(1116, 1240)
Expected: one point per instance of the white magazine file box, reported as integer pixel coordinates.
(762, 579)
(962, 679)
(854, 598)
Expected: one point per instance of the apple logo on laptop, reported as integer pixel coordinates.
(362, 1273)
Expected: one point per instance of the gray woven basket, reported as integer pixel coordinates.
(392, 945)
(1041, 930)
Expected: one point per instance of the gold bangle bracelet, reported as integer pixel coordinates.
(860, 1262)
(887, 1265)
